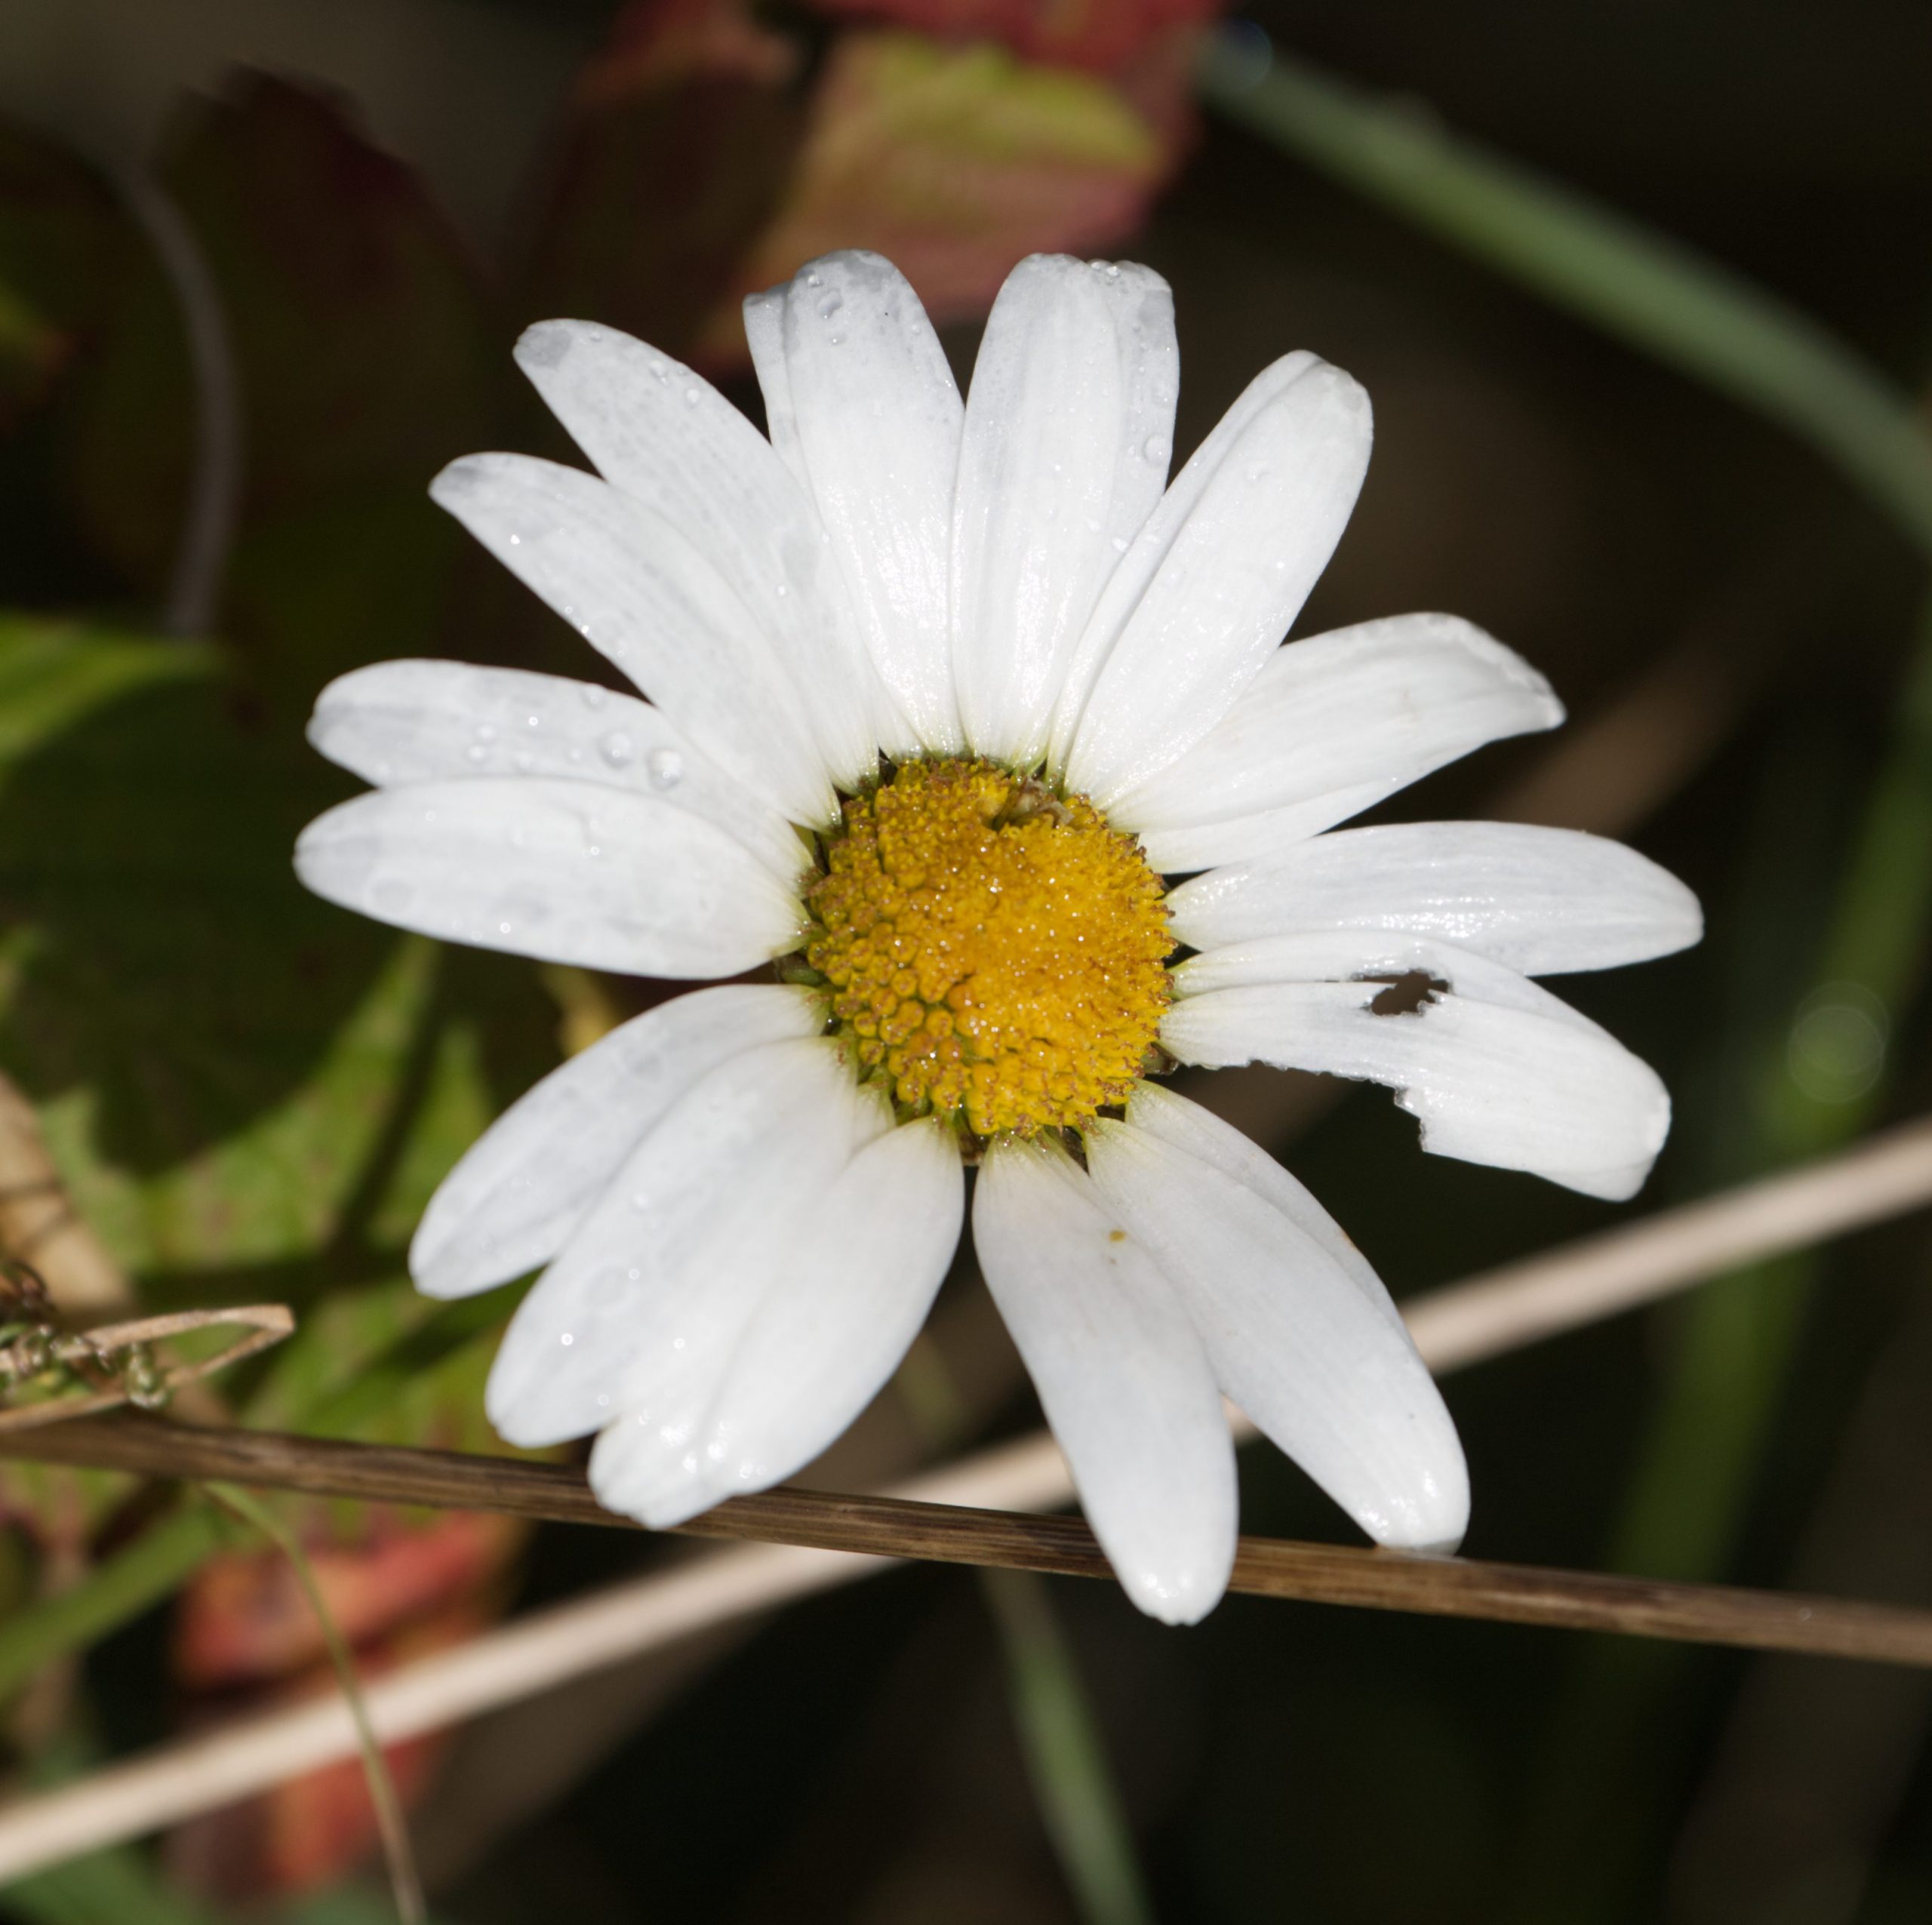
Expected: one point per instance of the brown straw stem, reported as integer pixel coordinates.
(898, 1527)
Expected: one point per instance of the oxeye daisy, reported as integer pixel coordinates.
(942, 698)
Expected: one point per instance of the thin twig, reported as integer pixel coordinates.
(392, 1827)
(542, 1650)
(900, 1527)
(1503, 1310)
(207, 525)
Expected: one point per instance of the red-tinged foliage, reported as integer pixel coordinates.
(955, 163)
(1102, 36)
(244, 1618)
(312, 1831)
(244, 1635)
(704, 159)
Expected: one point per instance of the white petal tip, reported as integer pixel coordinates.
(546, 343)
(1186, 1600)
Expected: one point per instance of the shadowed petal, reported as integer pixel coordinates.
(523, 1187)
(1121, 1374)
(566, 871)
(1324, 1370)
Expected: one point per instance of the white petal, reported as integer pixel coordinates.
(1497, 1070)
(1121, 1375)
(1540, 900)
(1069, 427)
(1330, 726)
(635, 589)
(842, 1303)
(523, 1187)
(660, 1277)
(566, 871)
(397, 722)
(861, 401)
(1325, 1372)
(1215, 578)
(669, 441)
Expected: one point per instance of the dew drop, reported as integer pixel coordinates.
(567, 1340)
(617, 748)
(692, 397)
(782, 590)
(830, 306)
(593, 696)
(1154, 448)
(486, 732)
(813, 279)
(535, 722)
(477, 752)
(516, 541)
(667, 767)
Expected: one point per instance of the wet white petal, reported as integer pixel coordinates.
(566, 871)
(399, 722)
(669, 440)
(1323, 1371)
(1069, 424)
(862, 403)
(523, 1187)
(1121, 1374)
(659, 1278)
(1329, 726)
(637, 590)
(1213, 581)
(842, 1301)
(1497, 1070)
(1541, 900)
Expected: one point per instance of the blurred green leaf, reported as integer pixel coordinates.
(1642, 286)
(53, 673)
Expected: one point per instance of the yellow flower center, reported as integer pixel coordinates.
(994, 953)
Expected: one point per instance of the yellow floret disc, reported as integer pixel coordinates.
(995, 953)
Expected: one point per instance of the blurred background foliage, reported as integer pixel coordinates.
(1643, 298)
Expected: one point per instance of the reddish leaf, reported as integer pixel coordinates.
(681, 138)
(244, 1619)
(954, 161)
(1103, 35)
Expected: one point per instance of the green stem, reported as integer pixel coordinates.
(1645, 288)
(1065, 1762)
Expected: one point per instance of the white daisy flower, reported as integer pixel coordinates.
(939, 693)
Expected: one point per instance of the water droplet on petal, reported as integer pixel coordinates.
(1154, 448)
(477, 752)
(692, 396)
(617, 748)
(567, 1340)
(667, 767)
(594, 697)
(830, 306)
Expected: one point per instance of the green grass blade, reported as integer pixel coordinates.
(1065, 1760)
(1654, 292)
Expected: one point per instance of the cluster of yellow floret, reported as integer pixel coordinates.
(996, 953)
